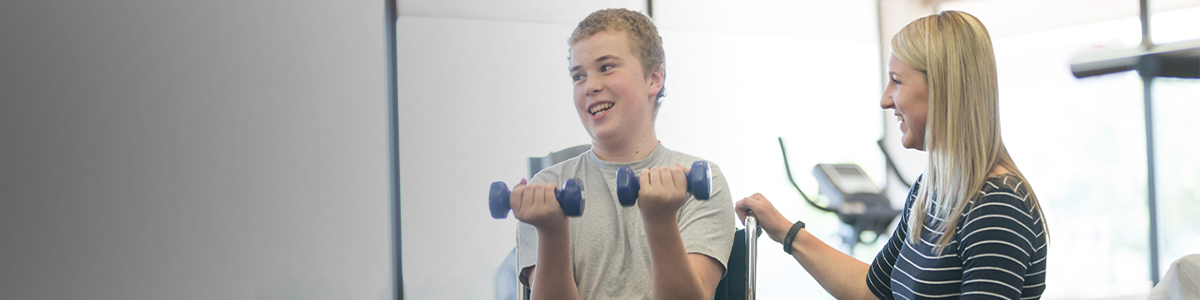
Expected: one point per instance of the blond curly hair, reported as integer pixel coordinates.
(643, 38)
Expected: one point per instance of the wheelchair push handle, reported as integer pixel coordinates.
(752, 233)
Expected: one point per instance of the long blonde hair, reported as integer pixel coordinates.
(962, 129)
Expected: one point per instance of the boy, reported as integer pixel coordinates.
(667, 245)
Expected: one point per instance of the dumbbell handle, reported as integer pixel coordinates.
(699, 180)
(570, 198)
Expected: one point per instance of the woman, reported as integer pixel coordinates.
(972, 226)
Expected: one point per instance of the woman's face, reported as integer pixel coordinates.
(907, 94)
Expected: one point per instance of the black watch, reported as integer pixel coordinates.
(791, 235)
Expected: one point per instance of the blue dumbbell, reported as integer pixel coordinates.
(699, 181)
(570, 198)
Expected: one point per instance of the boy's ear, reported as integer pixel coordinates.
(658, 75)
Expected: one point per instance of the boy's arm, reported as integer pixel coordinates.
(536, 205)
(555, 280)
(671, 265)
(675, 273)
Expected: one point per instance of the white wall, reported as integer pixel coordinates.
(483, 85)
(474, 104)
(530, 11)
(1013, 16)
(480, 94)
(193, 150)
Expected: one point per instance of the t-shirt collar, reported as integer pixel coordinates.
(653, 160)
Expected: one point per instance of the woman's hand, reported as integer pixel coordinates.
(770, 219)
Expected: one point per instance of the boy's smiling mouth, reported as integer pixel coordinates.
(598, 108)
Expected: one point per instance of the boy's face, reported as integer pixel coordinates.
(613, 96)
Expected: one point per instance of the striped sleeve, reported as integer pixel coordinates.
(879, 276)
(996, 242)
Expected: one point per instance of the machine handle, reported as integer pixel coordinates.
(752, 232)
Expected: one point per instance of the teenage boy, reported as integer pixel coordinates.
(668, 245)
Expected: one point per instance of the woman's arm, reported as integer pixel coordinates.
(843, 276)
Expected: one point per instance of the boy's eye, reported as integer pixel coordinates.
(576, 77)
(605, 68)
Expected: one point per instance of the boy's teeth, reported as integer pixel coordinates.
(599, 108)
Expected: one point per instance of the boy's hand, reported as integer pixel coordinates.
(663, 191)
(535, 203)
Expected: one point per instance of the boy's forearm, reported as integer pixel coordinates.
(553, 278)
(672, 275)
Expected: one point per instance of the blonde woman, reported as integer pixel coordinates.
(972, 226)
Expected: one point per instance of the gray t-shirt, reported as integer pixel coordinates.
(609, 251)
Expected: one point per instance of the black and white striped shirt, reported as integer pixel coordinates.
(998, 251)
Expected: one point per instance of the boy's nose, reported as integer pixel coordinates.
(594, 87)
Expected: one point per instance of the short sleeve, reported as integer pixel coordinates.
(707, 226)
